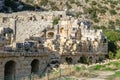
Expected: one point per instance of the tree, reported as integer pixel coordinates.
(112, 36)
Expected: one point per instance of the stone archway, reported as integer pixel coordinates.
(90, 60)
(100, 59)
(69, 60)
(81, 59)
(35, 66)
(9, 72)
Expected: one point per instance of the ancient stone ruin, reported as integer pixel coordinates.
(29, 42)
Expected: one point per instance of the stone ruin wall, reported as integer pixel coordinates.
(28, 23)
(33, 23)
(22, 64)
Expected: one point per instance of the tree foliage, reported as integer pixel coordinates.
(113, 36)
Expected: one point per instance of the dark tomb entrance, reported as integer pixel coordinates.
(35, 66)
(9, 72)
(69, 60)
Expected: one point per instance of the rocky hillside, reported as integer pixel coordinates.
(101, 13)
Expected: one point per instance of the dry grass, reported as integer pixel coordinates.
(68, 72)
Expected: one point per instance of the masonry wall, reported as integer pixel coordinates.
(75, 58)
(23, 65)
(26, 24)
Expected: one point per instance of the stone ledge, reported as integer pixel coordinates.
(19, 54)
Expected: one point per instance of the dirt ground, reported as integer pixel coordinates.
(101, 75)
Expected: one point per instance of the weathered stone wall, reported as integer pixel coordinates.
(95, 58)
(23, 64)
(67, 40)
(26, 24)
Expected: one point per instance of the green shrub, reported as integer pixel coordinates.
(29, 1)
(93, 3)
(96, 27)
(117, 73)
(111, 22)
(99, 5)
(70, 79)
(93, 14)
(43, 2)
(77, 68)
(86, 1)
(112, 36)
(117, 8)
(72, 1)
(78, 14)
(102, 11)
(115, 63)
(111, 55)
(113, 2)
(105, 2)
(68, 5)
(85, 10)
(83, 67)
(98, 67)
(103, 27)
(51, 3)
(118, 54)
(95, 20)
(111, 25)
(78, 4)
(112, 12)
(56, 20)
(112, 6)
(117, 22)
(111, 66)
(54, 8)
